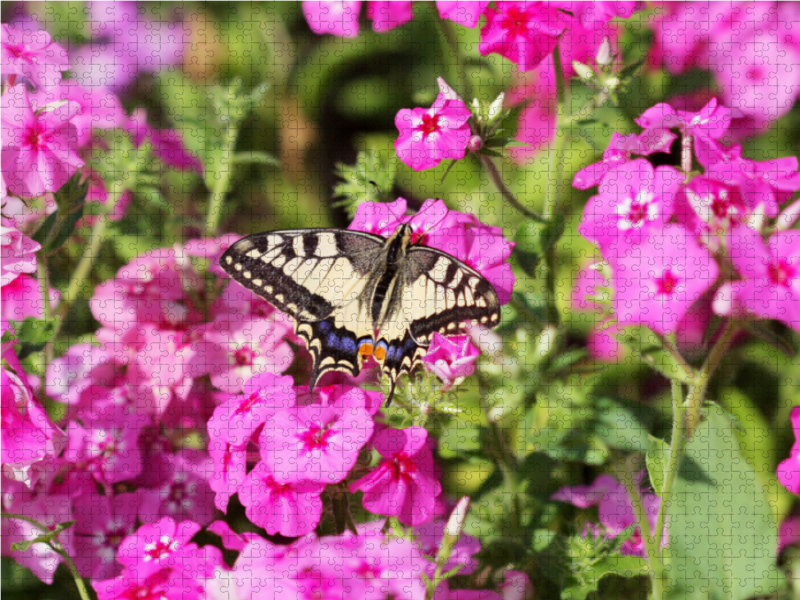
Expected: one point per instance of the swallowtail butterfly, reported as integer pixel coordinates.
(354, 294)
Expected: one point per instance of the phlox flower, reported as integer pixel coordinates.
(293, 508)
(789, 532)
(404, 483)
(770, 285)
(229, 468)
(185, 493)
(18, 254)
(167, 145)
(633, 200)
(39, 149)
(317, 442)
(451, 359)
(101, 523)
(340, 17)
(656, 281)
(789, 469)
(516, 585)
(466, 13)
(158, 545)
(33, 55)
(22, 298)
(29, 435)
(429, 136)
(614, 509)
(239, 415)
(599, 12)
(708, 206)
(165, 584)
(523, 32)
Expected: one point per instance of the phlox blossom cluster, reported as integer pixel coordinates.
(663, 235)
(614, 509)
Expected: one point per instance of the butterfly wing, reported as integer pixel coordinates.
(440, 294)
(317, 276)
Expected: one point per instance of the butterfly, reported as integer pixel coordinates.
(354, 294)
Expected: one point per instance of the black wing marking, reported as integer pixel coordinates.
(332, 348)
(306, 273)
(448, 295)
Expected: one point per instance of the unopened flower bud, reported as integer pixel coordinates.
(584, 71)
(455, 524)
(604, 56)
(475, 143)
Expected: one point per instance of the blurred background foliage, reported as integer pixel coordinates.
(330, 98)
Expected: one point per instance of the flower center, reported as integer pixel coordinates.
(243, 357)
(401, 466)
(517, 22)
(19, 51)
(248, 404)
(430, 124)
(780, 273)
(635, 212)
(36, 137)
(667, 284)
(275, 488)
(315, 438)
(160, 549)
(755, 73)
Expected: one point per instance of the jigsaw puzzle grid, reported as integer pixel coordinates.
(404, 300)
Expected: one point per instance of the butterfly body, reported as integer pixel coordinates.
(354, 294)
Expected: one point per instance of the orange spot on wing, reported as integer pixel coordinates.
(379, 353)
(365, 350)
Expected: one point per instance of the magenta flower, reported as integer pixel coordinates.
(633, 200)
(615, 510)
(789, 469)
(29, 436)
(429, 136)
(229, 468)
(18, 254)
(466, 13)
(291, 509)
(789, 532)
(334, 17)
(387, 15)
(238, 417)
(158, 545)
(404, 483)
(657, 281)
(771, 277)
(39, 150)
(22, 298)
(161, 585)
(32, 55)
(713, 206)
(316, 443)
(599, 12)
(523, 32)
(185, 493)
(429, 537)
(167, 145)
(101, 523)
(451, 359)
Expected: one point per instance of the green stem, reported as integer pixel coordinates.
(697, 393)
(505, 462)
(505, 191)
(44, 283)
(669, 346)
(555, 176)
(449, 36)
(675, 453)
(59, 548)
(92, 251)
(220, 189)
(651, 547)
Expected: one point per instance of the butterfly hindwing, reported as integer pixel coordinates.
(306, 273)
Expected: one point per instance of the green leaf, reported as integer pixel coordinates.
(625, 566)
(657, 460)
(646, 345)
(59, 225)
(618, 427)
(567, 359)
(33, 334)
(533, 239)
(256, 158)
(370, 179)
(722, 534)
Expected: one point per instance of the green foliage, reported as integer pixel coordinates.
(647, 346)
(370, 179)
(60, 224)
(657, 460)
(33, 334)
(722, 533)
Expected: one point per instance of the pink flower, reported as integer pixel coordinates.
(451, 359)
(101, 523)
(466, 13)
(789, 469)
(335, 17)
(318, 443)
(18, 254)
(291, 509)
(429, 136)
(633, 200)
(29, 436)
(161, 585)
(429, 537)
(403, 484)
(185, 493)
(516, 586)
(713, 207)
(657, 281)
(614, 509)
(39, 150)
(32, 55)
(156, 546)
(167, 143)
(789, 532)
(523, 32)
(22, 298)
(387, 15)
(230, 469)
(771, 277)
(238, 417)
